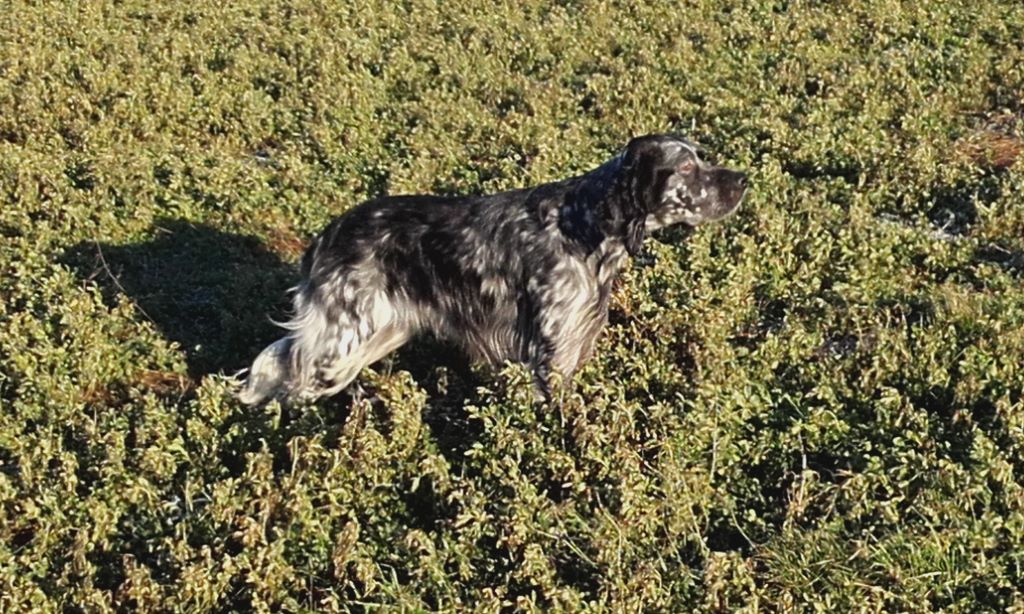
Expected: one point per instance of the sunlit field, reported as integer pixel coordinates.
(815, 405)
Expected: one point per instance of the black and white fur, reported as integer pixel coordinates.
(519, 276)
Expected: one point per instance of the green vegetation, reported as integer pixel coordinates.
(816, 406)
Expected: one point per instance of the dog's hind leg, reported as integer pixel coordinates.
(335, 375)
(327, 348)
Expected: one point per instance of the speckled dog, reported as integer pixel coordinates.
(518, 276)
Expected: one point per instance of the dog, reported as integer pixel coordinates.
(522, 276)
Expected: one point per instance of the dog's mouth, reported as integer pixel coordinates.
(733, 189)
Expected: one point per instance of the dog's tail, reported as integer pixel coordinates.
(280, 371)
(286, 369)
(269, 375)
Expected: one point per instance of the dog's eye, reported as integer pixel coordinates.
(686, 166)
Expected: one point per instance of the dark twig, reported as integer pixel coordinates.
(117, 282)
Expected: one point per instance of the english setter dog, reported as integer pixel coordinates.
(521, 276)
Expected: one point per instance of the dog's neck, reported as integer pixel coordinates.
(581, 215)
(598, 183)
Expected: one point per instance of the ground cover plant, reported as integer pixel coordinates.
(816, 406)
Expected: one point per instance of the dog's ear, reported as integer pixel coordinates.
(643, 158)
(644, 155)
(635, 233)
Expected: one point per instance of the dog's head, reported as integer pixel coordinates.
(669, 184)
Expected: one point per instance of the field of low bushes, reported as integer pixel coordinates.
(817, 405)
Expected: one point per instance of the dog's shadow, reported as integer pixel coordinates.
(210, 291)
(215, 292)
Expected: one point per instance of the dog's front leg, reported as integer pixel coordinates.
(542, 353)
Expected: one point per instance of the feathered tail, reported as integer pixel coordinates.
(269, 375)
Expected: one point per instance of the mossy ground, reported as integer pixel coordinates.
(816, 406)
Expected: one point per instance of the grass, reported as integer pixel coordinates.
(816, 406)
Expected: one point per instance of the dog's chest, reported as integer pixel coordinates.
(579, 287)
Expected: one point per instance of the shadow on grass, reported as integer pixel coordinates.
(451, 383)
(210, 291)
(214, 292)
